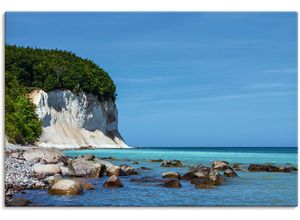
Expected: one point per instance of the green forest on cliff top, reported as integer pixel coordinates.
(27, 69)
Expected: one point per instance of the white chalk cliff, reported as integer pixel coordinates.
(73, 121)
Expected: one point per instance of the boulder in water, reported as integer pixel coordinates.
(82, 168)
(113, 182)
(113, 170)
(230, 173)
(172, 183)
(219, 165)
(52, 179)
(85, 184)
(128, 170)
(171, 163)
(256, 167)
(188, 176)
(214, 178)
(266, 168)
(172, 175)
(66, 187)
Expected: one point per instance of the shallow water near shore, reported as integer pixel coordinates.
(249, 189)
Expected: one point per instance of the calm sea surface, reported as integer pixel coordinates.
(249, 189)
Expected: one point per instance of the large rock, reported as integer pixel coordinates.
(128, 170)
(230, 173)
(46, 169)
(52, 179)
(79, 167)
(85, 184)
(288, 169)
(201, 171)
(214, 178)
(113, 182)
(66, 187)
(64, 170)
(172, 175)
(113, 170)
(271, 168)
(171, 163)
(204, 175)
(188, 176)
(43, 155)
(267, 168)
(219, 165)
(172, 183)
(256, 167)
(101, 162)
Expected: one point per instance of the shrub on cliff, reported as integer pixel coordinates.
(21, 123)
(57, 69)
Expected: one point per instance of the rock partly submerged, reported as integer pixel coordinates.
(220, 165)
(270, 168)
(230, 173)
(171, 163)
(172, 175)
(204, 176)
(113, 182)
(128, 170)
(113, 170)
(66, 187)
(85, 183)
(172, 183)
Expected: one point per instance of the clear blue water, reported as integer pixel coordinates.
(249, 189)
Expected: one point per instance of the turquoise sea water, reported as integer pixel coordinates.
(249, 189)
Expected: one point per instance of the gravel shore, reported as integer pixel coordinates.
(19, 174)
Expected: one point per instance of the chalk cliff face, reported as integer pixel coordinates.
(73, 121)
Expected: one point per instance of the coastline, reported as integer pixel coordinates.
(38, 165)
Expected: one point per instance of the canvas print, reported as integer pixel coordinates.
(150, 109)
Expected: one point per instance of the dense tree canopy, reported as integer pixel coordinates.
(21, 123)
(56, 69)
(27, 69)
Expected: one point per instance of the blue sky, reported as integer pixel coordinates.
(185, 79)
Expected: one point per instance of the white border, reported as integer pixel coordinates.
(140, 213)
